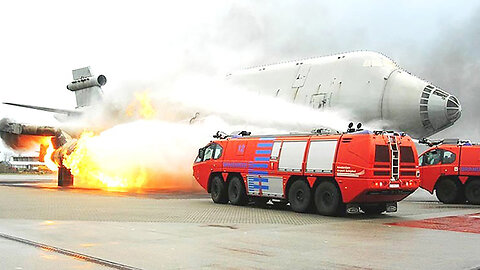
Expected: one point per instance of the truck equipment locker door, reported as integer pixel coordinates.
(291, 156)
(320, 156)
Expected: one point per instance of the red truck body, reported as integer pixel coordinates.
(453, 171)
(367, 170)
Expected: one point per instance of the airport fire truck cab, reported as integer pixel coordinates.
(451, 168)
(336, 173)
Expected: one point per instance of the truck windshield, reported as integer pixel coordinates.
(208, 152)
(201, 153)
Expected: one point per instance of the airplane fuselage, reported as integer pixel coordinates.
(367, 86)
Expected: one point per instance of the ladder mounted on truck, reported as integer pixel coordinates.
(395, 157)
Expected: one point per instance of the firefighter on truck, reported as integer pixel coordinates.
(451, 168)
(335, 173)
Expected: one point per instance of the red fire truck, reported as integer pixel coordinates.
(364, 170)
(451, 168)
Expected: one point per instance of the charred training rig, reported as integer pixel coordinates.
(61, 141)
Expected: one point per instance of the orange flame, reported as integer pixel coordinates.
(91, 171)
(46, 143)
(118, 162)
(141, 106)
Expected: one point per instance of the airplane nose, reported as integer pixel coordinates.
(438, 109)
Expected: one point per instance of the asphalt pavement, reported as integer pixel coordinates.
(46, 227)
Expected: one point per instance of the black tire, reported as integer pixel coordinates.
(300, 196)
(218, 190)
(236, 191)
(260, 201)
(328, 199)
(472, 191)
(374, 209)
(448, 191)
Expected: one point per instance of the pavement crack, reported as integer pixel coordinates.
(70, 253)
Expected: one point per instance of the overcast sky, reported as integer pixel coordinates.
(143, 42)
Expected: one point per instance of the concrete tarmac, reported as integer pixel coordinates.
(44, 227)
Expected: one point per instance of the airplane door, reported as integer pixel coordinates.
(302, 74)
(320, 100)
(300, 79)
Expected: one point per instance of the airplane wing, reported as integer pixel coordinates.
(63, 111)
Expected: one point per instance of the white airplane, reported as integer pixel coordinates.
(367, 86)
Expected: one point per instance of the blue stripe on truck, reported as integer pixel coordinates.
(265, 145)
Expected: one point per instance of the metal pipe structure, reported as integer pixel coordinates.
(61, 142)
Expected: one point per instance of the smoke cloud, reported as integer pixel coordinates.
(158, 153)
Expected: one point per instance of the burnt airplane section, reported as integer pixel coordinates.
(15, 135)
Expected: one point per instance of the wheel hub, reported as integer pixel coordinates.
(299, 195)
(327, 198)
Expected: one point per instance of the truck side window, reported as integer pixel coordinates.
(275, 150)
(448, 157)
(433, 157)
(218, 151)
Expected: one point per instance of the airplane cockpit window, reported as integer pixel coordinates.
(448, 157)
(433, 157)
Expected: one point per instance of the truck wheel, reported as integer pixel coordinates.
(472, 191)
(328, 199)
(299, 196)
(375, 209)
(236, 191)
(218, 190)
(448, 191)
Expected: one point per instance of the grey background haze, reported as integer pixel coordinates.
(139, 43)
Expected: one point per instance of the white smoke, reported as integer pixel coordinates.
(186, 116)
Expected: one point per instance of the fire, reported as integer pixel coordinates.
(92, 170)
(46, 143)
(133, 157)
(141, 106)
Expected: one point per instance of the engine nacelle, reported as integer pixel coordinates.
(86, 82)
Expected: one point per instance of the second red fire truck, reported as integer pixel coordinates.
(335, 173)
(451, 168)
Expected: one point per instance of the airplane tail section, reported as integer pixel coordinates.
(87, 87)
